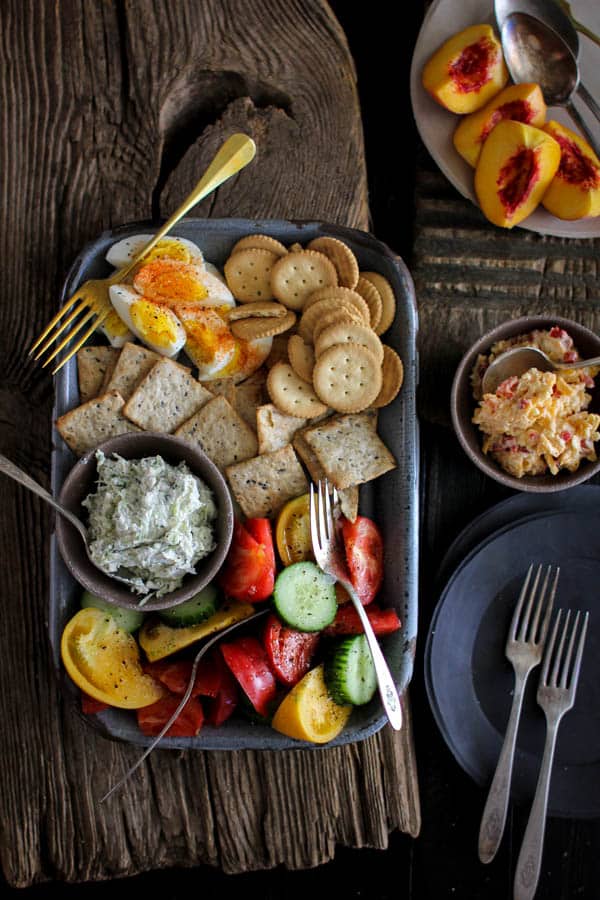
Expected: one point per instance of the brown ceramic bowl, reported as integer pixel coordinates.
(81, 481)
(463, 404)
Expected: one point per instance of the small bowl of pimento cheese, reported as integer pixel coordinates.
(539, 431)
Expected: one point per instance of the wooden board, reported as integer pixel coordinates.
(111, 110)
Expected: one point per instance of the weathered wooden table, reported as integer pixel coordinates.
(110, 110)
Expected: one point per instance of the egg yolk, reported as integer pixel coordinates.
(168, 280)
(114, 326)
(169, 248)
(205, 343)
(155, 325)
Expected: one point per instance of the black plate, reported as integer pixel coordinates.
(517, 507)
(470, 682)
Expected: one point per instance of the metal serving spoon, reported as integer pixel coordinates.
(8, 468)
(520, 360)
(553, 15)
(536, 53)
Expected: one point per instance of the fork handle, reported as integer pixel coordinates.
(496, 807)
(236, 152)
(529, 863)
(387, 688)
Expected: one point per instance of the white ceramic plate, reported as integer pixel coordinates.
(436, 125)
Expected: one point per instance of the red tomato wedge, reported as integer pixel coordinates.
(364, 556)
(175, 675)
(151, 719)
(249, 663)
(290, 652)
(249, 570)
(384, 621)
(90, 706)
(221, 707)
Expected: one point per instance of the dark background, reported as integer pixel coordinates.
(442, 862)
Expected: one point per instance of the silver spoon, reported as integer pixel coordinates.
(519, 360)
(8, 468)
(534, 52)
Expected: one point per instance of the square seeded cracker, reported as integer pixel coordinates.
(166, 398)
(349, 497)
(263, 484)
(349, 450)
(92, 365)
(221, 433)
(275, 429)
(93, 422)
(132, 365)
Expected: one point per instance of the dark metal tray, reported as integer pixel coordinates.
(392, 499)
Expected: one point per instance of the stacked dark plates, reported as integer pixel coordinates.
(468, 678)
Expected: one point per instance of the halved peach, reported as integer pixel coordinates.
(467, 71)
(519, 102)
(574, 192)
(515, 167)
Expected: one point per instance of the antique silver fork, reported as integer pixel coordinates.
(330, 558)
(556, 695)
(524, 647)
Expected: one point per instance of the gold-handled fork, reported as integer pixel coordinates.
(90, 304)
(556, 695)
(524, 647)
(329, 556)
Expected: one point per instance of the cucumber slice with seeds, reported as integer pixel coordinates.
(202, 606)
(350, 673)
(304, 597)
(127, 619)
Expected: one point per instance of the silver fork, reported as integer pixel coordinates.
(330, 558)
(524, 647)
(556, 696)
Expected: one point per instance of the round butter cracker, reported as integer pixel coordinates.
(312, 316)
(341, 256)
(339, 316)
(295, 276)
(352, 298)
(372, 298)
(392, 372)
(347, 377)
(248, 274)
(302, 357)
(291, 394)
(268, 326)
(349, 334)
(257, 309)
(259, 242)
(388, 299)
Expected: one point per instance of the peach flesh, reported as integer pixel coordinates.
(575, 167)
(472, 68)
(517, 110)
(517, 179)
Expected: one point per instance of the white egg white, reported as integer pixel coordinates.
(242, 365)
(121, 253)
(123, 299)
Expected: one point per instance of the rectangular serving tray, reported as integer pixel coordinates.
(391, 500)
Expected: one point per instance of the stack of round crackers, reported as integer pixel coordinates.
(335, 357)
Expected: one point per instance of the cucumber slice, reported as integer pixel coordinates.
(350, 673)
(304, 597)
(202, 606)
(127, 619)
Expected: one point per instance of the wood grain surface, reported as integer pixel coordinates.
(110, 111)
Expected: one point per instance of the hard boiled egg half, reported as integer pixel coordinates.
(155, 325)
(121, 253)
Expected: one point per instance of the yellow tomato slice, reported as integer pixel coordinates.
(104, 661)
(292, 532)
(158, 640)
(308, 713)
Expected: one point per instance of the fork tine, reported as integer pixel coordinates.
(566, 664)
(579, 654)
(95, 324)
(321, 511)
(550, 649)
(532, 625)
(314, 526)
(526, 615)
(328, 512)
(558, 657)
(548, 613)
(83, 305)
(517, 613)
(91, 314)
(62, 311)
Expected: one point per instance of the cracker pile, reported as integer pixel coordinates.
(312, 407)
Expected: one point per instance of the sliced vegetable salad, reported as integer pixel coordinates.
(302, 668)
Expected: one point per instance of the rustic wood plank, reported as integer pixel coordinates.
(125, 105)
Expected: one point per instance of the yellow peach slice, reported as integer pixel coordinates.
(516, 165)
(574, 192)
(467, 71)
(519, 102)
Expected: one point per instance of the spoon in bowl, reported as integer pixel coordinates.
(534, 52)
(9, 468)
(519, 360)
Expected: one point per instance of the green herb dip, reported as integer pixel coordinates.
(152, 519)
